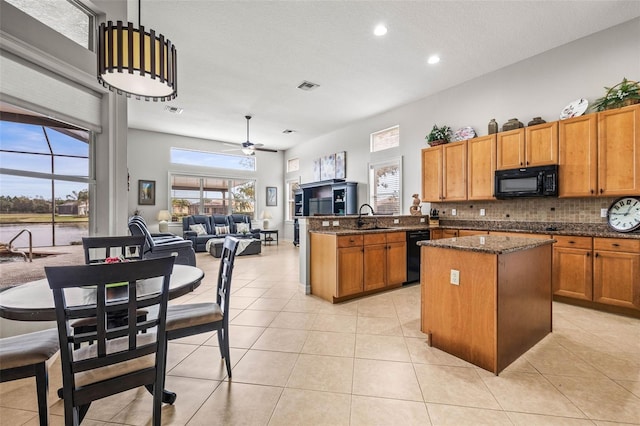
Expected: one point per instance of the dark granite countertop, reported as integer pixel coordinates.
(547, 228)
(492, 244)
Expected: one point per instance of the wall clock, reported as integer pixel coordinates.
(624, 214)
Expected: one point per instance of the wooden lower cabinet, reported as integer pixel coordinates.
(435, 234)
(471, 232)
(573, 267)
(600, 271)
(616, 272)
(449, 233)
(344, 267)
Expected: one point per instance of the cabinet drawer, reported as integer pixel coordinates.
(349, 241)
(396, 237)
(375, 238)
(616, 244)
(572, 242)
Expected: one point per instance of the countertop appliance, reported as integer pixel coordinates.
(413, 253)
(539, 181)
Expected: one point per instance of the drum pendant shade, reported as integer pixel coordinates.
(136, 63)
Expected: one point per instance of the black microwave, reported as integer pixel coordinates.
(527, 182)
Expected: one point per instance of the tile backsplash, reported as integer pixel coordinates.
(570, 210)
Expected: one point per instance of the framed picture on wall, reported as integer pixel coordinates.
(272, 196)
(147, 192)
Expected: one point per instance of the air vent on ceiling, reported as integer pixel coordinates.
(307, 85)
(173, 109)
(287, 131)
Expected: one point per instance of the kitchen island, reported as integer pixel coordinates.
(486, 299)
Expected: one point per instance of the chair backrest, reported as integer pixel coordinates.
(118, 342)
(225, 271)
(137, 226)
(98, 249)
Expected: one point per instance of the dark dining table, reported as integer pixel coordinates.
(33, 301)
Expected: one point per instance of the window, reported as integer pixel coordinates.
(385, 139)
(293, 165)
(69, 18)
(210, 195)
(213, 159)
(292, 187)
(385, 186)
(44, 181)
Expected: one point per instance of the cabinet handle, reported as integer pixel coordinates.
(571, 242)
(521, 163)
(615, 244)
(596, 254)
(601, 191)
(592, 191)
(527, 163)
(588, 254)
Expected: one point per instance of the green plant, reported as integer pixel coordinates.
(624, 93)
(436, 134)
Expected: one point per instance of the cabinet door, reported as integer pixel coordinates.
(449, 233)
(619, 151)
(510, 149)
(572, 273)
(616, 278)
(436, 234)
(350, 267)
(454, 165)
(471, 232)
(577, 156)
(432, 174)
(481, 154)
(375, 266)
(541, 144)
(396, 262)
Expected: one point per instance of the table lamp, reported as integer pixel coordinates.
(265, 216)
(163, 217)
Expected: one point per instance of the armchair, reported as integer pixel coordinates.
(163, 246)
(199, 241)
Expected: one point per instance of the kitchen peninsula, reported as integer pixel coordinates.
(486, 299)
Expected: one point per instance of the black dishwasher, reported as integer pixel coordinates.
(413, 253)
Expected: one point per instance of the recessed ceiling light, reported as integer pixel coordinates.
(433, 59)
(173, 109)
(380, 30)
(287, 131)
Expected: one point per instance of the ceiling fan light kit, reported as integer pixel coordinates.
(134, 62)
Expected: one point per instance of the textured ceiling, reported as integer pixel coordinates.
(247, 57)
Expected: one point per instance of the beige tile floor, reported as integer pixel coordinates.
(298, 360)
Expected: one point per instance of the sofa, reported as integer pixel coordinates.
(215, 226)
(163, 245)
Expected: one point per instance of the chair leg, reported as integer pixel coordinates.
(221, 343)
(225, 343)
(42, 385)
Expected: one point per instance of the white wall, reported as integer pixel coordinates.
(149, 159)
(539, 86)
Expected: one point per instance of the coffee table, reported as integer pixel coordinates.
(268, 236)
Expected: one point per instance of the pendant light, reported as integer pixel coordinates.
(134, 62)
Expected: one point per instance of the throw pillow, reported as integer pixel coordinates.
(243, 228)
(198, 228)
(222, 230)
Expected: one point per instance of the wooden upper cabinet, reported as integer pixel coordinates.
(432, 174)
(454, 166)
(577, 156)
(481, 169)
(541, 144)
(619, 151)
(510, 150)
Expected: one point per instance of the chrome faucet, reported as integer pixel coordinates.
(360, 221)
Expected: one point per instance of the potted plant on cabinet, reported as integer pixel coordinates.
(438, 135)
(625, 93)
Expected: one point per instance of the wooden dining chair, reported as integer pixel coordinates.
(195, 318)
(121, 358)
(97, 250)
(25, 356)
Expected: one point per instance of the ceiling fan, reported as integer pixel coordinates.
(248, 147)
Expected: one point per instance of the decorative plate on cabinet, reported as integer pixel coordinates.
(463, 133)
(574, 109)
